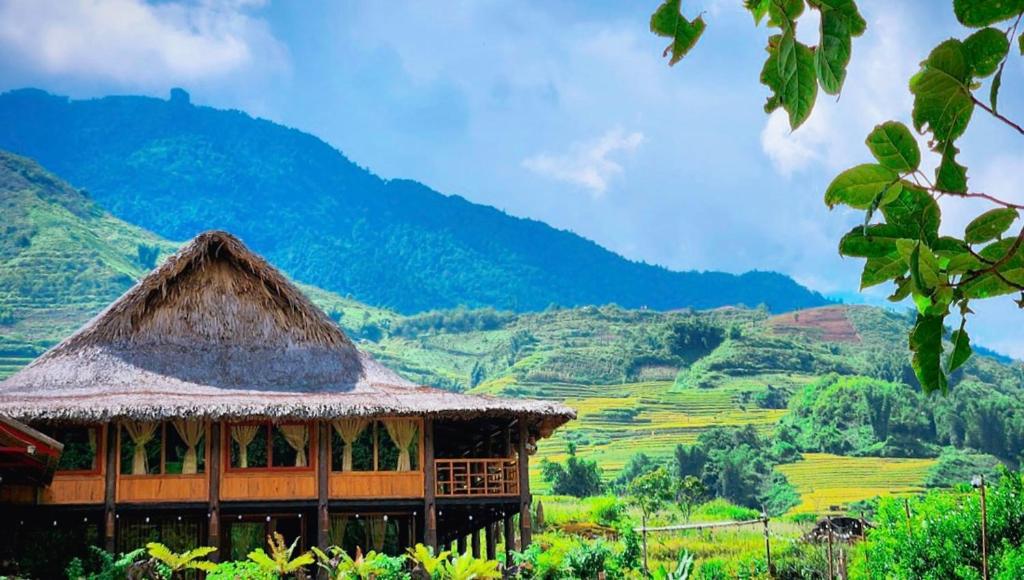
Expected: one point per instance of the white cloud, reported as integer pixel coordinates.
(875, 91)
(587, 164)
(135, 43)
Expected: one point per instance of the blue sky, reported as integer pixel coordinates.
(556, 110)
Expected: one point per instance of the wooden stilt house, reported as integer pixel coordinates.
(213, 403)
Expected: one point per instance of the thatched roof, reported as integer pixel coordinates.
(218, 332)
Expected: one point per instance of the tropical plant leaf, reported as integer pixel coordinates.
(985, 49)
(758, 9)
(783, 13)
(882, 269)
(668, 21)
(833, 52)
(950, 175)
(942, 99)
(798, 79)
(873, 241)
(916, 211)
(926, 344)
(857, 187)
(978, 13)
(990, 225)
(993, 93)
(847, 9)
(894, 146)
(961, 348)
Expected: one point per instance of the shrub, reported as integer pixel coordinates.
(607, 510)
(587, 559)
(236, 570)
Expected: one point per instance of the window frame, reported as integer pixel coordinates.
(420, 457)
(163, 453)
(227, 441)
(101, 450)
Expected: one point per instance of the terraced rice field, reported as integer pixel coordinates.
(827, 481)
(617, 421)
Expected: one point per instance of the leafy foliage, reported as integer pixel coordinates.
(109, 566)
(280, 560)
(578, 477)
(942, 274)
(179, 563)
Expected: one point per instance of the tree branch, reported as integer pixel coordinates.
(997, 115)
(979, 195)
(994, 268)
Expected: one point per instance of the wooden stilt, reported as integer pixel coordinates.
(429, 486)
(213, 468)
(491, 532)
(323, 468)
(110, 488)
(525, 530)
(510, 538)
(475, 536)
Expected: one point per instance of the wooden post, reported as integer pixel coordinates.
(491, 532)
(767, 546)
(525, 530)
(984, 532)
(475, 536)
(323, 468)
(830, 565)
(906, 508)
(213, 468)
(510, 539)
(110, 487)
(429, 486)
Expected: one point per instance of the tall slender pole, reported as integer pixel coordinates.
(906, 509)
(213, 467)
(429, 487)
(110, 487)
(323, 468)
(767, 545)
(828, 521)
(510, 539)
(984, 533)
(525, 528)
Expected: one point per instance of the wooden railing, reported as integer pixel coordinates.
(477, 477)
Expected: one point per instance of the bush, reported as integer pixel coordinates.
(607, 510)
(587, 559)
(234, 570)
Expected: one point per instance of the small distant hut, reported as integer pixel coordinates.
(213, 403)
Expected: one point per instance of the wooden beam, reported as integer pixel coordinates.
(525, 530)
(475, 537)
(213, 468)
(323, 468)
(510, 538)
(429, 486)
(491, 532)
(110, 487)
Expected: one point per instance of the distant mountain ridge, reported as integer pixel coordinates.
(177, 169)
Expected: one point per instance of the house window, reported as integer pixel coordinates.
(375, 445)
(80, 448)
(269, 446)
(165, 448)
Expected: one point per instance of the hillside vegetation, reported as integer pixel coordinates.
(824, 384)
(178, 169)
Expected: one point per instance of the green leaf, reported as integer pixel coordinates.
(770, 74)
(997, 252)
(978, 13)
(916, 211)
(950, 175)
(783, 13)
(798, 81)
(668, 21)
(903, 287)
(857, 187)
(993, 93)
(924, 269)
(882, 269)
(990, 225)
(926, 344)
(1020, 41)
(757, 8)
(894, 146)
(847, 9)
(942, 100)
(985, 49)
(961, 348)
(873, 241)
(833, 52)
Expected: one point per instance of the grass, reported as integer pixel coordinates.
(826, 482)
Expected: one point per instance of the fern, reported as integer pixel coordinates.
(280, 560)
(177, 563)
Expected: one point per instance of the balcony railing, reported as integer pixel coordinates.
(477, 477)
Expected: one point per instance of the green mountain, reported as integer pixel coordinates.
(177, 169)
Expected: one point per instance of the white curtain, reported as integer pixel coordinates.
(402, 432)
(348, 430)
(243, 436)
(141, 433)
(297, 437)
(190, 431)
